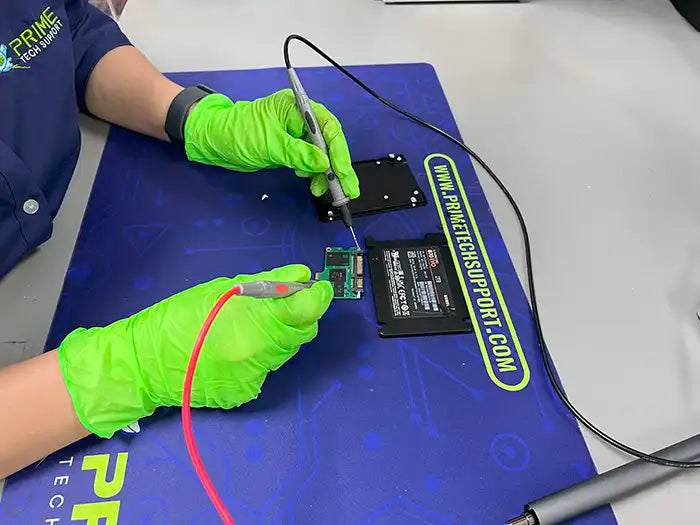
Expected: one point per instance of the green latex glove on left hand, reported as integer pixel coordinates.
(124, 371)
(268, 133)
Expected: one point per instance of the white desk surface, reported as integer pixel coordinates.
(588, 109)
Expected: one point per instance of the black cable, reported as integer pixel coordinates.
(549, 367)
(287, 40)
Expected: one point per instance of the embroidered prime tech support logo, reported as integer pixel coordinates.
(30, 42)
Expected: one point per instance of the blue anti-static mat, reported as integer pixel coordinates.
(355, 429)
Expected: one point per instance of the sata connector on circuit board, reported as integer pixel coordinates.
(343, 269)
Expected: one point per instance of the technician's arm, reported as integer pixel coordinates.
(125, 89)
(36, 413)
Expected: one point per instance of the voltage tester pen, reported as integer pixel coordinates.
(340, 200)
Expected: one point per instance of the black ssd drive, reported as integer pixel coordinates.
(416, 289)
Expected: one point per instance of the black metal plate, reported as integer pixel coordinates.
(386, 184)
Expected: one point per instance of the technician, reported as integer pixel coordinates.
(59, 57)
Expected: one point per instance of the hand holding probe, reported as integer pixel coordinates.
(340, 200)
(260, 289)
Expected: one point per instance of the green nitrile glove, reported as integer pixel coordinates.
(267, 133)
(124, 371)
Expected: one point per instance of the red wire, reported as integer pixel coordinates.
(186, 416)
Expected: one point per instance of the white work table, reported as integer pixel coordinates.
(587, 109)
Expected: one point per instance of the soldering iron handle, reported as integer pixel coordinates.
(315, 135)
(611, 486)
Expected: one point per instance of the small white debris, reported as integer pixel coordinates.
(264, 196)
(132, 428)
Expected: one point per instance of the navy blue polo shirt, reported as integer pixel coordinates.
(48, 49)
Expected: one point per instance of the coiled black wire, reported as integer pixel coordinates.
(549, 367)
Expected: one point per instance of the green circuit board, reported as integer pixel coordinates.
(343, 269)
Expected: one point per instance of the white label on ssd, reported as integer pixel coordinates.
(396, 281)
(417, 282)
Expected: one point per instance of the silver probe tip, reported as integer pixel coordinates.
(524, 519)
(354, 237)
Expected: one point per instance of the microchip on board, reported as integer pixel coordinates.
(343, 269)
